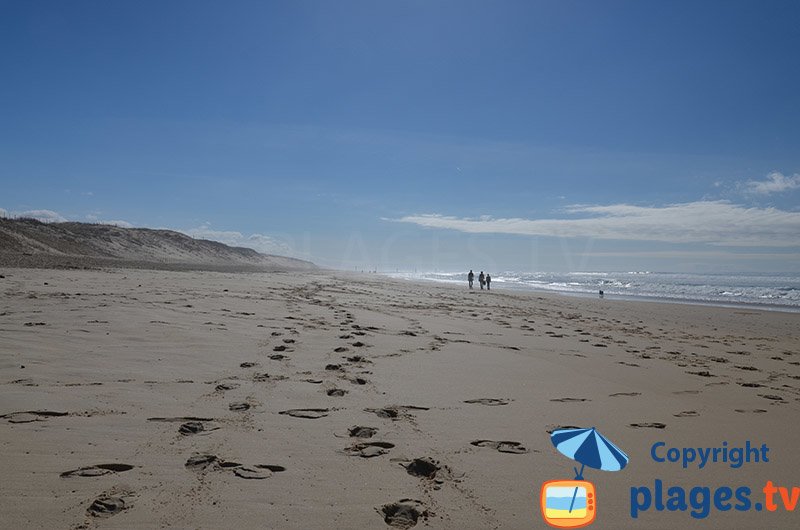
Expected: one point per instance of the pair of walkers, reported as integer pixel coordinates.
(482, 280)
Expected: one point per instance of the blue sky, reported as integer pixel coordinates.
(433, 135)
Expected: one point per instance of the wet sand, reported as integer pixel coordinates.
(139, 399)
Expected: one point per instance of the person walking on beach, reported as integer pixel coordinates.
(470, 278)
(481, 280)
(488, 282)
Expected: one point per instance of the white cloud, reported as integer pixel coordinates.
(119, 223)
(776, 182)
(50, 216)
(713, 222)
(95, 218)
(46, 216)
(259, 242)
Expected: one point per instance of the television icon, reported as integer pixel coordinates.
(568, 503)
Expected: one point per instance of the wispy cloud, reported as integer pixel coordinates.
(259, 242)
(712, 222)
(776, 182)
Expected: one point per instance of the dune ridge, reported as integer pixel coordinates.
(34, 244)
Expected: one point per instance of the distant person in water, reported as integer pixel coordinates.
(488, 282)
(601, 293)
(470, 278)
(481, 280)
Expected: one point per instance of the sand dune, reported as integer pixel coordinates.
(141, 399)
(31, 243)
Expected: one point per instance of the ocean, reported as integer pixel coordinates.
(779, 292)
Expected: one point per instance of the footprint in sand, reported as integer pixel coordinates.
(239, 406)
(280, 347)
(248, 365)
(491, 402)
(97, 470)
(198, 462)
(29, 416)
(341, 349)
(393, 411)
(226, 386)
(385, 412)
(26, 381)
(651, 425)
(686, 414)
(412, 407)
(750, 411)
(569, 400)
(261, 378)
(336, 392)
(277, 357)
(201, 462)
(106, 506)
(627, 394)
(772, 397)
(502, 446)
(404, 513)
(311, 414)
(552, 428)
(258, 471)
(424, 467)
(195, 427)
(368, 449)
(702, 373)
(359, 381)
(357, 431)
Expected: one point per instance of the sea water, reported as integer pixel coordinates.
(768, 291)
(565, 502)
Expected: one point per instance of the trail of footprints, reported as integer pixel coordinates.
(404, 513)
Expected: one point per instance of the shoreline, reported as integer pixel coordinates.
(780, 308)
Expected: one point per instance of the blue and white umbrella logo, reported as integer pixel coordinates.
(590, 448)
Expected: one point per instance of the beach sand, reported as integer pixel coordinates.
(143, 399)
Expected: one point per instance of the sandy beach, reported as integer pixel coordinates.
(145, 399)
